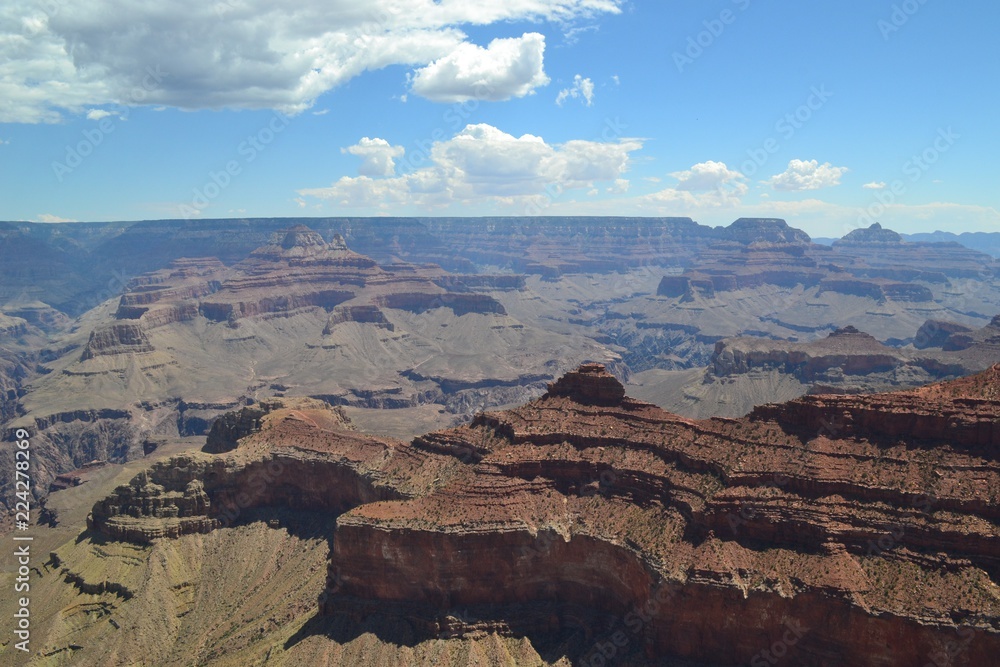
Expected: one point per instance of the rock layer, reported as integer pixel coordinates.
(786, 519)
(804, 525)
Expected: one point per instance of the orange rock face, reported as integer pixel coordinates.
(829, 531)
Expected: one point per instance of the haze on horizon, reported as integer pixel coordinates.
(831, 116)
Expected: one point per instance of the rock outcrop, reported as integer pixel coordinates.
(874, 234)
(366, 314)
(295, 453)
(874, 263)
(298, 270)
(604, 508)
(770, 231)
(954, 337)
(842, 530)
(590, 384)
(231, 427)
(935, 333)
(850, 361)
(122, 337)
(848, 350)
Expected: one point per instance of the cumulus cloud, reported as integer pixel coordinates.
(256, 53)
(807, 175)
(378, 157)
(582, 89)
(874, 185)
(710, 175)
(507, 68)
(705, 185)
(48, 217)
(620, 186)
(98, 114)
(484, 164)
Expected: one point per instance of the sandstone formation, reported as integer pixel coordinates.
(123, 337)
(296, 453)
(847, 350)
(182, 320)
(935, 333)
(299, 316)
(953, 337)
(590, 384)
(874, 263)
(86, 263)
(299, 270)
(837, 530)
(882, 253)
(851, 361)
(874, 234)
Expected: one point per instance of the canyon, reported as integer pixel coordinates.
(592, 524)
(379, 419)
(417, 324)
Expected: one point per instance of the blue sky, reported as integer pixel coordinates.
(831, 115)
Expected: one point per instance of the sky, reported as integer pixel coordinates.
(830, 114)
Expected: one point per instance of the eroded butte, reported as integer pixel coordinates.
(838, 530)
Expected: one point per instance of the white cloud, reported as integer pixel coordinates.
(98, 114)
(377, 155)
(709, 175)
(484, 164)
(706, 185)
(672, 199)
(874, 185)
(582, 89)
(363, 192)
(620, 186)
(572, 36)
(511, 67)
(48, 217)
(252, 53)
(807, 175)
